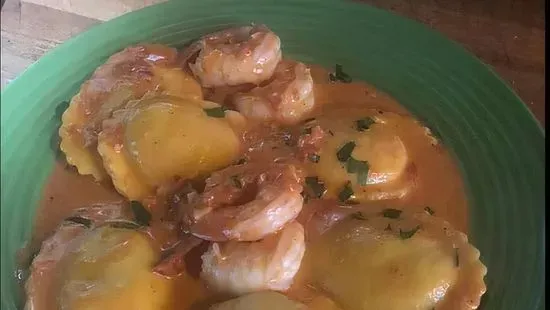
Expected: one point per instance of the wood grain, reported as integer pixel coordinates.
(29, 31)
(506, 34)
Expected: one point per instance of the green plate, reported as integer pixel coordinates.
(496, 141)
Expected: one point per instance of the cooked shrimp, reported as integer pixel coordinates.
(287, 98)
(247, 202)
(235, 56)
(244, 267)
(126, 75)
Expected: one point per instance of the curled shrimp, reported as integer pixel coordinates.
(247, 202)
(244, 267)
(234, 56)
(287, 98)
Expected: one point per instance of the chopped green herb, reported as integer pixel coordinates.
(141, 214)
(359, 216)
(354, 165)
(217, 112)
(456, 257)
(236, 182)
(124, 225)
(388, 228)
(339, 75)
(407, 234)
(80, 220)
(429, 210)
(364, 123)
(316, 187)
(314, 158)
(392, 213)
(306, 131)
(346, 192)
(363, 178)
(331, 133)
(345, 151)
(361, 168)
(309, 120)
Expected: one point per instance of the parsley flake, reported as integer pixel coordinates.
(344, 153)
(361, 168)
(316, 187)
(364, 123)
(429, 210)
(339, 75)
(346, 193)
(407, 234)
(141, 214)
(124, 225)
(391, 213)
(217, 112)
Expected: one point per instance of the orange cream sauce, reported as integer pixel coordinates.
(438, 184)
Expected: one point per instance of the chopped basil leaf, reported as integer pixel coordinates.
(429, 210)
(339, 75)
(80, 220)
(314, 158)
(331, 133)
(456, 257)
(306, 131)
(141, 214)
(317, 188)
(236, 182)
(309, 120)
(344, 153)
(364, 123)
(217, 112)
(124, 225)
(392, 213)
(388, 228)
(346, 192)
(407, 234)
(359, 216)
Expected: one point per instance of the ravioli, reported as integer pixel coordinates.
(111, 269)
(40, 285)
(389, 259)
(366, 150)
(126, 75)
(158, 139)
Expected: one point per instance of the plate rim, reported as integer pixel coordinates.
(79, 39)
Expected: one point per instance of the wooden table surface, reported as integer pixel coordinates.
(506, 34)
